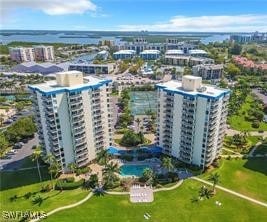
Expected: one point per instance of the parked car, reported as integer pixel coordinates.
(17, 145)
(25, 140)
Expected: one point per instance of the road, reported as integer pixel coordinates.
(17, 159)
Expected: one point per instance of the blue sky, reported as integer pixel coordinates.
(135, 15)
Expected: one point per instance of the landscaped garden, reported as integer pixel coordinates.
(249, 116)
(246, 176)
(241, 143)
(172, 206)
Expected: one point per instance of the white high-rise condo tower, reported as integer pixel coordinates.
(191, 120)
(73, 117)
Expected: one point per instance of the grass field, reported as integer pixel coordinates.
(170, 206)
(238, 122)
(248, 177)
(26, 186)
(51, 200)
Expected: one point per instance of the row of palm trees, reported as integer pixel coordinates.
(54, 167)
(110, 169)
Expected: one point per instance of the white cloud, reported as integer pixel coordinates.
(218, 23)
(50, 7)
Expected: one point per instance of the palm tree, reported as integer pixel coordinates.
(72, 167)
(215, 179)
(35, 157)
(102, 157)
(167, 163)
(205, 192)
(53, 165)
(109, 173)
(149, 176)
(138, 121)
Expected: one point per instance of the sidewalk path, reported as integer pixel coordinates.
(169, 188)
(232, 192)
(67, 207)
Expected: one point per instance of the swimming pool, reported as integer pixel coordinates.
(132, 170)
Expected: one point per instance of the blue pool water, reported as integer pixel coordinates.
(132, 170)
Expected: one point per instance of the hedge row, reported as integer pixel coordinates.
(63, 184)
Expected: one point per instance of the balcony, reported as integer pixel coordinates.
(79, 141)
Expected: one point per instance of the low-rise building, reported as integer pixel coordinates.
(124, 54)
(186, 60)
(90, 68)
(42, 68)
(208, 71)
(174, 52)
(150, 54)
(103, 55)
(198, 53)
(199, 60)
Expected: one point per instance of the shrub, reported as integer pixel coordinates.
(83, 170)
(46, 188)
(255, 124)
(70, 179)
(62, 184)
(172, 176)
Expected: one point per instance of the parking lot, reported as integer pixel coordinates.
(14, 159)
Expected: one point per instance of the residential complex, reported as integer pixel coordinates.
(27, 54)
(44, 53)
(73, 117)
(248, 64)
(124, 54)
(90, 68)
(208, 71)
(186, 60)
(191, 120)
(21, 54)
(150, 54)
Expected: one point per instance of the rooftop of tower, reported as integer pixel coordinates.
(55, 86)
(192, 86)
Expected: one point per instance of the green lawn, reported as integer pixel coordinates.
(248, 176)
(20, 183)
(51, 200)
(238, 122)
(169, 206)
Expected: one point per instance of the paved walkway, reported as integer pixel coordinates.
(117, 193)
(169, 188)
(231, 192)
(67, 207)
(232, 151)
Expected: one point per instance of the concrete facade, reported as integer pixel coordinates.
(191, 120)
(73, 118)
